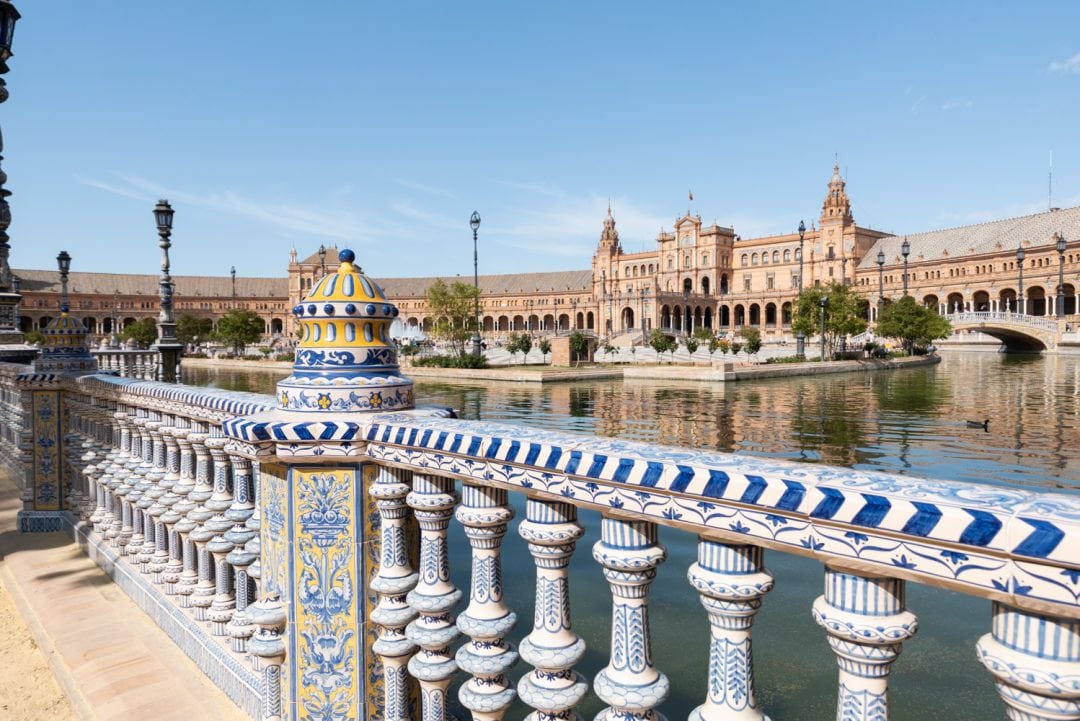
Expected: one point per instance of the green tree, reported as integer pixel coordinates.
(714, 345)
(724, 345)
(519, 343)
(544, 346)
(144, 331)
(691, 344)
(579, 346)
(34, 336)
(845, 313)
(660, 342)
(752, 340)
(911, 323)
(452, 312)
(239, 328)
(189, 327)
(703, 334)
(736, 346)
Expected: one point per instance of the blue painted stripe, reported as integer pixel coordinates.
(575, 461)
(474, 446)
(716, 484)
(386, 433)
(441, 441)
(350, 433)
(982, 530)
(1042, 541)
(400, 438)
(328, 431)
(372, 433)
(926, 517)
(534, 453)
(425, 438)
(493, 449)
(829, 505)
(554, 458)
(754, 490)
(622, 472)
(874, 512)
(302, 432)
(515, 448)
(654, 470)
(458, 438)
(792, 497)
(597, 466)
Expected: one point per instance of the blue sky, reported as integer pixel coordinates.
(382, 126)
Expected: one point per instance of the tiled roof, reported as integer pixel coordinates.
(563, 280)
(993, 237)
(48, 281)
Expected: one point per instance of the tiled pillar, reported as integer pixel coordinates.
(44, 485)
(867, 621)
(1035, 661)
(732, 581)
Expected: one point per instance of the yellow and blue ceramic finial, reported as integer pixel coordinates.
(346, 361)
(64, 348)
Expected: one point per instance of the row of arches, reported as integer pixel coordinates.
(1038, 300)
(531, 323)
(104, 326)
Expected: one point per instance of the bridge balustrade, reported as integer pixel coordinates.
(306, 567)
(1009, 317)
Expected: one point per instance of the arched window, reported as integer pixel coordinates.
(670, 263)
(686, 261)
(650, 268)
(745, 259)
(754, 259)
(787, 255)
(776, 256)
(798, 254)
(765, 258)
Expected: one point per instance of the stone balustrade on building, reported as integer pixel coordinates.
(297, 547)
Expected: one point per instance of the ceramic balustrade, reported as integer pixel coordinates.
(873, 533)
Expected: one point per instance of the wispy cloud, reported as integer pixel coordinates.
(322, 222)
(1012, 210)
(411, 185)
(1072, 65)
(958, 104)
(914, 109)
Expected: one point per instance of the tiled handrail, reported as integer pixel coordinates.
(1017, 546)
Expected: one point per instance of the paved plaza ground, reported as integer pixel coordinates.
(67, 630)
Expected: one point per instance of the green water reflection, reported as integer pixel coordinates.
(910, 422)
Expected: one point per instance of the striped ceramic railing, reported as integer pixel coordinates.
(200, 502)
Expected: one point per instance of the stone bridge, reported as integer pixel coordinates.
(1017, 331)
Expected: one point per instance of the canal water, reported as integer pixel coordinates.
(911, 422)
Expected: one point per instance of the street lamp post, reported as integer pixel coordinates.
(905, 250)
(168, 345)
(474, 223)
(9, 293)
(63, 262)
(1020, 281)
(1060, 247)
(880, 279)
(824, 305)
(573, 314)
(114, 336)
(322, 260)
(642, 319)
(800, 338)
(232, 272)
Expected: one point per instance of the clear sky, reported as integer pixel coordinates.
(382, 126)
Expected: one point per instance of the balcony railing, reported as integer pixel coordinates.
(280, 556)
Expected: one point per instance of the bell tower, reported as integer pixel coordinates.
(836, 237)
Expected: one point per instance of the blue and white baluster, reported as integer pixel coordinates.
(484, 514)
(224, 602)
(155, 549)
(189, 527)
(432, 500)
(238, 558)
(629, 553)
(553, 688)
(395, 579)
(175, 519)
(268, 645)
(1035, 661)
(867, 621)
(732, 581)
